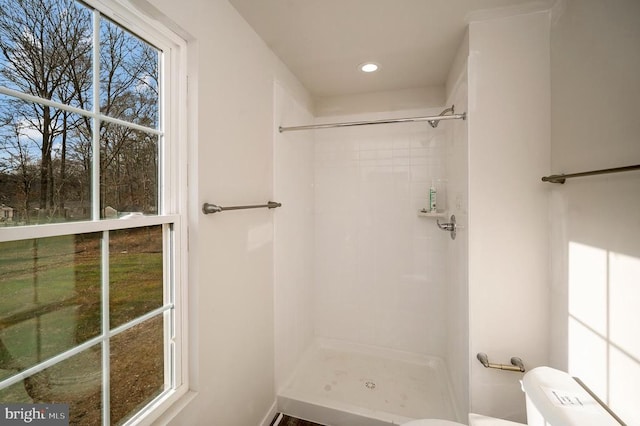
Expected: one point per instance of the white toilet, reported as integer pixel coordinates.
(553, 398)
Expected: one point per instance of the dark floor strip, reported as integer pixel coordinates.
(292, 421)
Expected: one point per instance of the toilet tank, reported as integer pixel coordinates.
(554, 398)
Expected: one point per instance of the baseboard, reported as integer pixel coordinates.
(266, 421)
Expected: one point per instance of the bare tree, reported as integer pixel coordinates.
(17, 163)
(129, 92)
(46, 51)
(36, 38)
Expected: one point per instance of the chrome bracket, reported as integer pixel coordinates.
(450, 227)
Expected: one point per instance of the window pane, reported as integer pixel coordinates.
(45, 164)
(57, 166)
(50, 298)
(135, 273)
(76, 381)
(137, 368)
(128, 172)
(45, 49)
(128, 76)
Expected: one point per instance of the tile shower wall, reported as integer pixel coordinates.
(380, 269)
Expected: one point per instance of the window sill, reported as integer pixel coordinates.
(164, 410)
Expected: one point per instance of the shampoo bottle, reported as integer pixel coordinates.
(432, 198)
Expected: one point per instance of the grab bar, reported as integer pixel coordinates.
(516, 363)
(208, 208)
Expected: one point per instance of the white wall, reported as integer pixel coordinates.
(372, 102)
(232, 75)
(508, 229)
(294, 235)
(380, 269)
(595, 64)
(457, 299)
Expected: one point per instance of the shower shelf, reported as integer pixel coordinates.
(425, 213)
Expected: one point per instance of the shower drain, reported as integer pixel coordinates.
(370, 385)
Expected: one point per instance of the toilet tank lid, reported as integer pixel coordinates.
(562, 401)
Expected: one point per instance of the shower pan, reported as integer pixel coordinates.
(345, 384)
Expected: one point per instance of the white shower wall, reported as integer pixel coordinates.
(380, 271)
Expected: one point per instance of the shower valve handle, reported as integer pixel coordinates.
(446, 226)
(449, 227)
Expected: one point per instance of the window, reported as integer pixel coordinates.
(93, 224)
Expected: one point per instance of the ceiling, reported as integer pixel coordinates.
(323, 41)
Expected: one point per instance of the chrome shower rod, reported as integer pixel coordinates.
(431, 119)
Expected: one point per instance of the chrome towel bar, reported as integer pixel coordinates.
(208, 208)
(599, 401)
(562, 178)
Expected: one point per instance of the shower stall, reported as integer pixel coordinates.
(370, 295)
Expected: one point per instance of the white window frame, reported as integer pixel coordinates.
(173, 158)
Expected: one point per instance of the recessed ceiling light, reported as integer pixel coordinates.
(368, 67)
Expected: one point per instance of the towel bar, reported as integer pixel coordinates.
(208, 208)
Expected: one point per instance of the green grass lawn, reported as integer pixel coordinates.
(50, 289)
